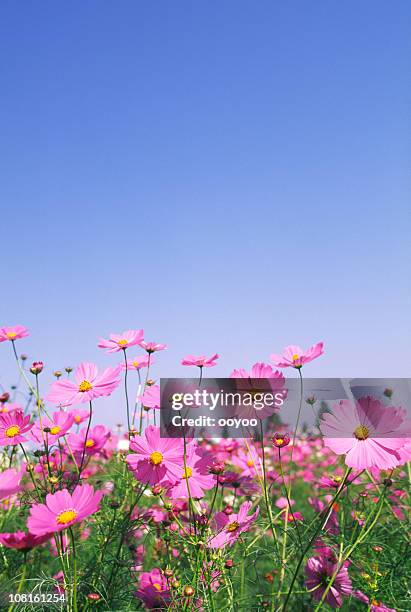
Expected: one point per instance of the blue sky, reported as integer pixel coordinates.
(230, 176)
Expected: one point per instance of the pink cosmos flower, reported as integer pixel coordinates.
(79, 416)
(12, 426)
(197, 473)
(21, 540)
(152, 347)
(62, 510)
(364, 432)
(10, 482)
(155, 459)
(138, 363)
(294, 356)
(201, 361)
(229, 528)
(118, 342)
(259, 370)
(248, 460)
(15, 332)
(86, 386)
(53, 428)
(318, 571)
(96, 440)
(154, 590)
(151, 397)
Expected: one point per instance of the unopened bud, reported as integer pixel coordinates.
(188, 591)
(4, 397)
(36, 367)
(68, 369)
(168, 573)
(57, 373)
(217, 467)
(228, 510)
(229, 563)
(93, 597)
(150, 382)
(175, 584)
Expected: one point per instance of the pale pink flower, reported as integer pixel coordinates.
(86, 386)
(365, 432)
(259, 370)
(15, 332)
(63, 509)
(294, 356)
(152, 347)
(200, 361)
(12, 426)
(229, 528)
(79, 416)
(138, 363)
(118, 342)
(151, 397)
(196, 476)
(10, 482)
(96, 440)
(155, 459)
(51, 429)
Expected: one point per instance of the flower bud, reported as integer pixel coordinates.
(68, 369)
(175, 584)
(57, 374)
(188, 591)
(280, 440)
(168, 573)
(157, 490)
(150, 382)
(36, 367)
(228, 510)
(217, 467)
(229, 563)
(93, 596)
(4, 397)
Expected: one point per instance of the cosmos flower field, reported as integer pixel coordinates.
(93, 519)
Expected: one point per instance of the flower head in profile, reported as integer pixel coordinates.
(118, 342)
(367, 432)
(138, 363)
(63, 509)
(195, 476)
(15, 332)
(294, 356)
(319, 571)
(153, 590)
(95, 442)
(21, 540)
(87, 385)
(51, 429)
(10, 482)
(154, 459)
(79, 416)
(200, 361)
(12, 427)
(259, 370)
(152, 347)
(151, 397)
(229, 528)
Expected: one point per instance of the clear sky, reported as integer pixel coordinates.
(231, 176)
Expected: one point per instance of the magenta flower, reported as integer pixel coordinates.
(294, 356)
(21, 540)
(118, 342)
(62, 510)
(229, 528)
(79, 416)
(196, 474)
(153, 590)
(96, 440)
(53, 428)
(12, 426)
(138, 363)
(87, 385)
(201, 361)
(15, 332)
(259, 370)
(10, 482)
(365, 432)
(155, 459)
(152, 347)
(318, 572)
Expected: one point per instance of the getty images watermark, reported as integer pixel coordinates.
(239, 408)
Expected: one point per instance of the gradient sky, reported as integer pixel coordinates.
(231, 176)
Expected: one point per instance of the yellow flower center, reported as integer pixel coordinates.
(188, 472)
(337, 479)
(361, 432)
(157, 586)
(250, 462)
(84, 386)
(136, 364)
(11, 335)
(156, 458)
(232, 526)
(12, 431)
(77, 418)
(296, 357)
(122, 342)
(55, 430)
(90, 443)
(279, 440)
(66, 516)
